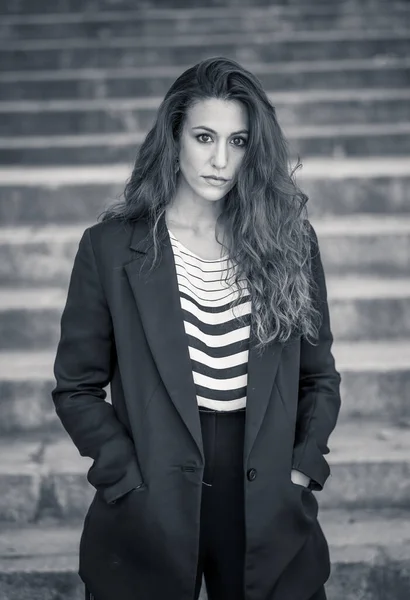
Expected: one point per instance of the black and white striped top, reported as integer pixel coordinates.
(218, 343)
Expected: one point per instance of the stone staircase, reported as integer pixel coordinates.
(78, 90)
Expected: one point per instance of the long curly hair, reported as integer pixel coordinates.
(264, 215)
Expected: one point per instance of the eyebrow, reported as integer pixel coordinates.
(212, 131)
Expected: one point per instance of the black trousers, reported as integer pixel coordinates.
(222, 537)
(222, 534)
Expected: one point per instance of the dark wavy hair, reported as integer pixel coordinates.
(264, 215)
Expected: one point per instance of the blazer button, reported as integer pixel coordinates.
(252, 473)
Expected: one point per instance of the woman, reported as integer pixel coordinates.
(202, 301)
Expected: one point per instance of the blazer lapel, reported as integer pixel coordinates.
(157, 297)
(262, 371)
(158, 301)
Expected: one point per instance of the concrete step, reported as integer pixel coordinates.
(369, 552)
(375, 385)
(369, 308)
(385, 71)
(364, 244)
(70, 6)
(127, 23)
(43, 475)
(153, 50)
(337, 141)
(359, 245)
(125, 115)
(34, 196)
(360, 307)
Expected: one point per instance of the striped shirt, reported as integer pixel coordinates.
(218, 343)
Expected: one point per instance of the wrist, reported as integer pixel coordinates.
(300, 478)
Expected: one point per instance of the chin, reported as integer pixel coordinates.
(209, 194)
(215, 192)
(213, 197)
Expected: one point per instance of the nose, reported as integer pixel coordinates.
(220, 157)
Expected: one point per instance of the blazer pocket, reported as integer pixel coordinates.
(304, 487)
(131, 480)
(120, 499)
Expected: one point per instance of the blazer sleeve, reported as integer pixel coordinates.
(82, 368)
(319, 389)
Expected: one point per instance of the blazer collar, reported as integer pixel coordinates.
(158, 302)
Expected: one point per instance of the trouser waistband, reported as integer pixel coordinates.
(205, 409)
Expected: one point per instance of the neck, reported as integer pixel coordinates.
(190, 211)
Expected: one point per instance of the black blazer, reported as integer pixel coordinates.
(124, 327)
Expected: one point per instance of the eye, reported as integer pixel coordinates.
(242, 140)
(241, 144)
(202, 135)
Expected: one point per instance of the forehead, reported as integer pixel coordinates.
(223, 116)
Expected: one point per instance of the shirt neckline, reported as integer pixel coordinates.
(223, 258)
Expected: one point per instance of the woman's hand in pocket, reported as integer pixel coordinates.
(299, 478)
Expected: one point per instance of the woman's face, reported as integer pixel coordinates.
(212, 143)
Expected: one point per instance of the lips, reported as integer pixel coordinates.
(216, 182)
